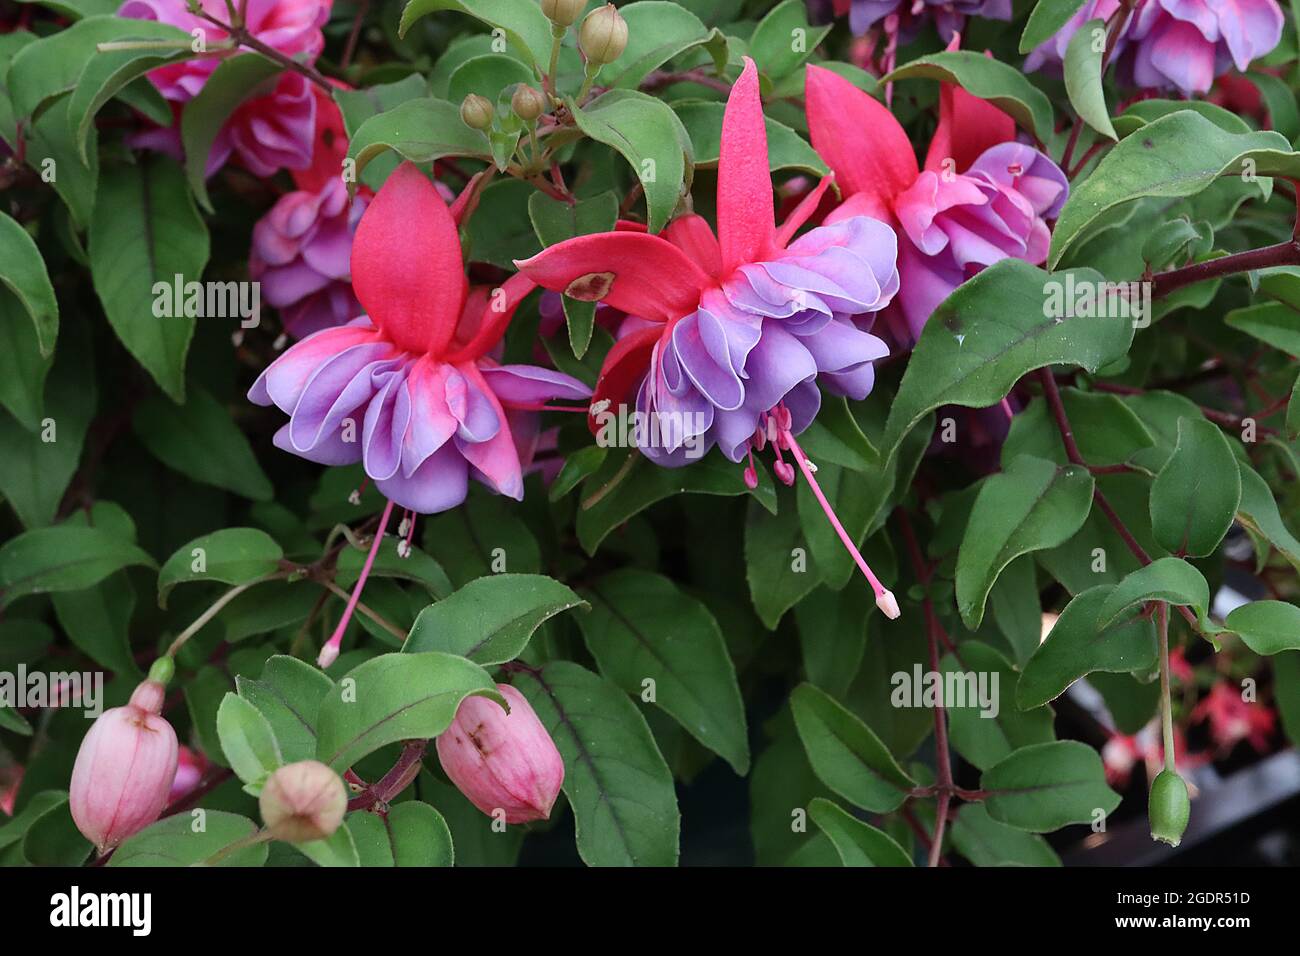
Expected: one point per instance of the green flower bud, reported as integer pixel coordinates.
(1168, 808)
(527, 103)
(303, 801)
(603, 36)
(477, 112)
(563, 13)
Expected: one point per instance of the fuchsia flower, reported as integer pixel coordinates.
(1233, 719)
(734, 331)
(124, 770)
(1178, 44)
(981, 197)
(302, 247)
(265, 133)
(191, 765)
(411, 389)
(949, 15)
(502, 761)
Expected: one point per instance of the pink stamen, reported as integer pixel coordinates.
(1006, 407)
(584, 409)
(885, 599)
(330, 652)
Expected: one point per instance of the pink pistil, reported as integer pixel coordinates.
(885, 599)
(330, 652)
(1006, 407)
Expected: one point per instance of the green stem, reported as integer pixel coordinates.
(253, 839)
(215, 609)
(589, 77)
(557, 39)
(1166, 714)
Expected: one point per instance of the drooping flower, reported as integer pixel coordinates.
(124, 770)
(411, 389)
(1178, 44)
(191, 765)
(1233, 719)
(732, 333)
(292, 27)
(302, 247)
(265, 133)
(949, 15)
(502, 761)
(980, 198)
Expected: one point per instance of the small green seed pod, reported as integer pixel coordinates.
(477, 112)
(603, 36)
(1168, 808)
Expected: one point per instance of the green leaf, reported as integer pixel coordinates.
(985, 842)
(51, 147)
(1175, 156)
(643, 627)
(836, 437)
(1017, 608)
(395, 697)
(230, 556)
(1078, 646)
(146, 231)
(1032, 505)
(1273, 323)
(412, 834)
(522, 21)
(857, 843)
(846, 755)
(649, 135)
(288, 694)
(1083, 68)
(1280, 100)
(1045, 20)
(487, 75)
(1259, 515)
(174, 841)
(555, 221)
(833, 636)
(338, 849)
(1047, 786)
(627, 484)
(248, 742)
(989, 333)
(23, 273)
(1267, 627)
(786, 149)
(236, 79)
(985, 731)
(61, 558)
(621, 791)
(98, 619)
(490, 620)
(778, 567)
(52, 838)
(421, 130)
(1166, 579)
(23, 369)
(1003, 85)
(1196, 494)
(36, 467)
(1286, 688)
(200, 440)
(578, 467)
(656, 32)
(783, 39)
(109, 73)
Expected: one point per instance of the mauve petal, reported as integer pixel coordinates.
(844, 354)
(339, 387)
(926, 282)
(440, 483)
(531, 385)
(283, 380)
(432, 423)
(332, 449)
(776, 365)
(288, 284)
(495, 459)
(388, 415)
(475, 412)
(330, 250)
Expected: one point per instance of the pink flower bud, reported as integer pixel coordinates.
(502, 761)
(303, 801)
(124, 770)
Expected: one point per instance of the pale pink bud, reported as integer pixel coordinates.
(886, 601)
(303, 801)
(501, 761)
(124, 769)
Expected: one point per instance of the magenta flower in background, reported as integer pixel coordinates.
(981, 197)
(1177, 44)
(302, 248)
(949, 15)
(269, 132)
(301, 254)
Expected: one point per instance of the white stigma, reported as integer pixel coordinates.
(886, 601)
